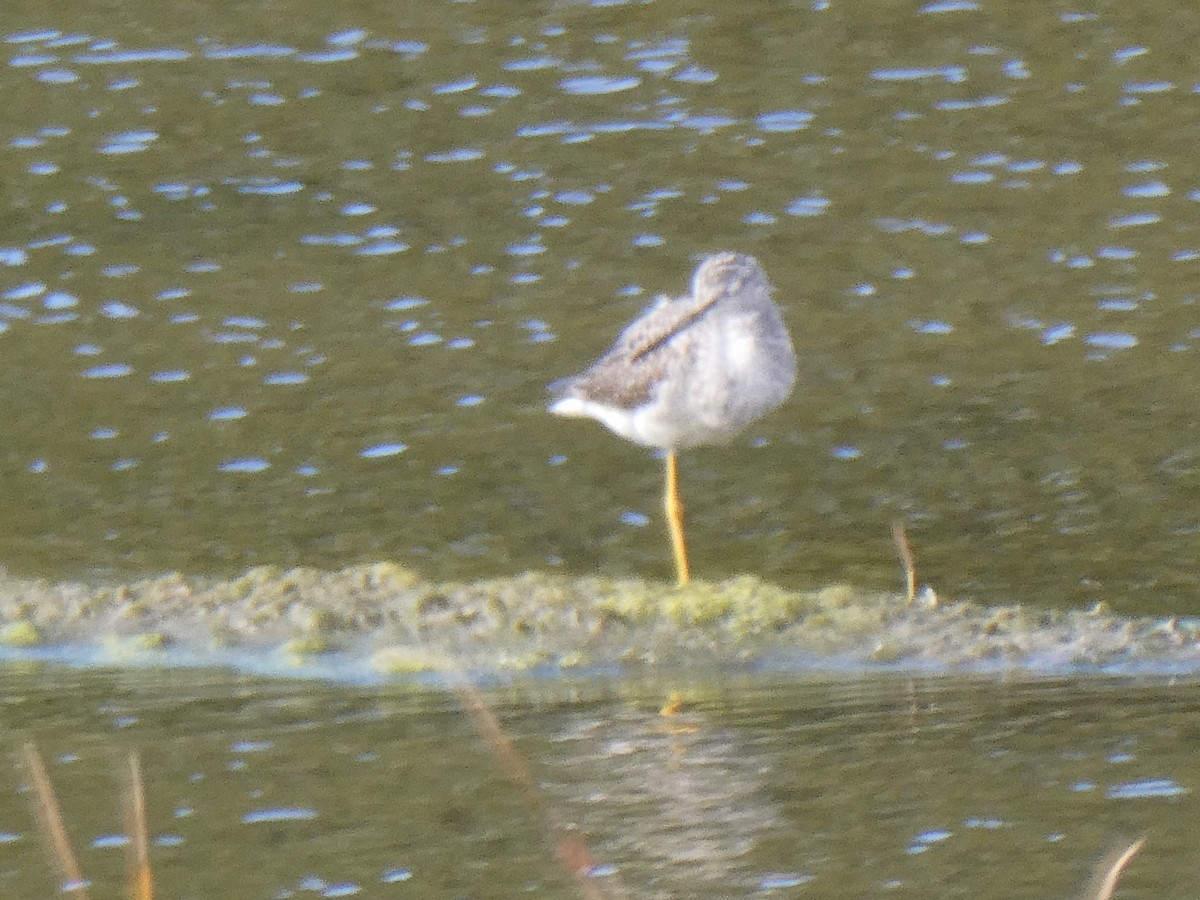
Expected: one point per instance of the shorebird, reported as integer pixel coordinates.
(691, 370)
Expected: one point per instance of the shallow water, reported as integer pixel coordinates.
(285, 285)
(860, 787)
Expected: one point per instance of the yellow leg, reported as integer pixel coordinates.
(674, 508)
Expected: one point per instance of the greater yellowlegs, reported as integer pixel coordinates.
(691, 370)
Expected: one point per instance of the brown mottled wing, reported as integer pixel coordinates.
(625, 376)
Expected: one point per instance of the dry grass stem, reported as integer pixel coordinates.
(50, 822)
(141, 878)
(1108, 872)
(900, 539)
(570, 847)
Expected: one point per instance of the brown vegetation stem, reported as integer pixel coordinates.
(50, 821)
(570, 848)
(141, 876)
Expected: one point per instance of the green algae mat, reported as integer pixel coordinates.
(386, 620)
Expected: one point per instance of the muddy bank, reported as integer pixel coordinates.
(385, 620)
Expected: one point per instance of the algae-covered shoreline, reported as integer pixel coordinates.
(384, 620)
